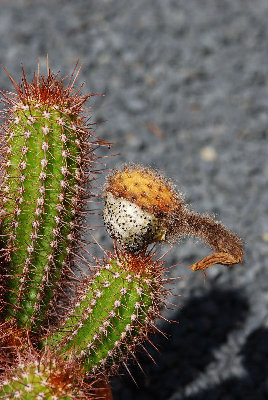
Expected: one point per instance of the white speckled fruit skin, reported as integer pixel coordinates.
(131, 226)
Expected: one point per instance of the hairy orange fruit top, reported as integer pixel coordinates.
(146, 188)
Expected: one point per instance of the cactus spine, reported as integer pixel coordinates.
(114, 313)
(44, 144)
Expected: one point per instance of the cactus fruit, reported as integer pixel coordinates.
(47, 149)
(114, 313)
(133, 227)
(143, 207)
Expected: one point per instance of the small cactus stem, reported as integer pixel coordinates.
(142, 207)
(45, 380)
(28, 374)
(31, 383)
(46, 147)
(115, 312)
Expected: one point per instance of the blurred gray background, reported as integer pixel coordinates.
(186, 91)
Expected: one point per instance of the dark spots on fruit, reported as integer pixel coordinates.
(133, 228)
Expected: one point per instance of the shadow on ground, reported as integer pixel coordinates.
(204, 325)
(255, 384)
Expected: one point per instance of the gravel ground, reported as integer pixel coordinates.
(186, 92)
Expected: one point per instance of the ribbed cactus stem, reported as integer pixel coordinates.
(43, 380)
(51, 379)
(114, 314)
(41, 192)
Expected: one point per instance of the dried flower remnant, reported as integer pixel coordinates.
(143, 207)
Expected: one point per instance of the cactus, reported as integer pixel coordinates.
(47, 149)
(36, 382)
(47, 155)
(114, 312)
(48, 378)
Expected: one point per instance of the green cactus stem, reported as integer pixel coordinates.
(45, 379)
(32, 382)
(114, 313)
(47, 150)
(27, 373)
